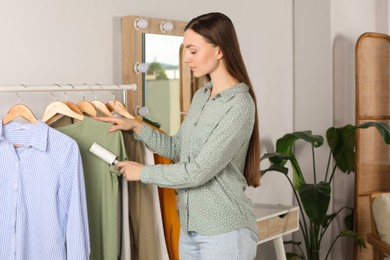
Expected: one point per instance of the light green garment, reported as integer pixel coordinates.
(101, 181)
(210, 151)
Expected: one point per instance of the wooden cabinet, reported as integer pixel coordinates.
(372, 58)
(275, 221)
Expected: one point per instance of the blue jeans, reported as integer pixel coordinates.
(239, 244)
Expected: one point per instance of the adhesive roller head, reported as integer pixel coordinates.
(103, 153)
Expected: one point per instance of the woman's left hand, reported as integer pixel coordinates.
(130, 170)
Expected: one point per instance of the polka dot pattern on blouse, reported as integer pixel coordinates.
(209, 152)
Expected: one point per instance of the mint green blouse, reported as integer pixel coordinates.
(209, 152)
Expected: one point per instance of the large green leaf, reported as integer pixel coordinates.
(315, 199)
(349, 220)
(276, 158)
(285, 145)
(275, 168)
(382, 127)
(328, 219)
(358, 239)
(342, 143)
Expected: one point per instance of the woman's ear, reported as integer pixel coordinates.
(219, 53)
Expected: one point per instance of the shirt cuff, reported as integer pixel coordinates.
(144, 133)
(145, 174)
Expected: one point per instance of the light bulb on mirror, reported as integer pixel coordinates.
(166, 26)
(140, 67)
(141, 111)
(140, 24)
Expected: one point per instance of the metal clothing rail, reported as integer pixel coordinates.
(67, 87)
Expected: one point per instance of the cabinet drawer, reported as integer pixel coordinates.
(279, 224)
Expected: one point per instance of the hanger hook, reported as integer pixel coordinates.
(66, 95)
(82, 94)
(71, 86)
(97, 84)
(19, 99)
(118, 86)
(90, 89)
(112, 92)
(54, 97)
(113, 95)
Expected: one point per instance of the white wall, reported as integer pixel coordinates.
(79, 41)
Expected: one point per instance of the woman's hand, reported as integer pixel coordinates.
(130, 170)
(121, 123)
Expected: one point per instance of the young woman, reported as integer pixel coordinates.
(216, 150)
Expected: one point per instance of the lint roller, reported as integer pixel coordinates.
(103, 153)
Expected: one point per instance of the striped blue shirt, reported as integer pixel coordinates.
(43, 212)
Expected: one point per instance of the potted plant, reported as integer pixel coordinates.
(313, 198)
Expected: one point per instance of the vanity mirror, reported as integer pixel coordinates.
(152, 59)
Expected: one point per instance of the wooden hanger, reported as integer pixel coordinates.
(69, 104)
(101, 107)
(58, 107)
(87, 108)
(22, 111)
(74, 107)
(118, 107)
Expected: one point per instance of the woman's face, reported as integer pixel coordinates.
(201, 56)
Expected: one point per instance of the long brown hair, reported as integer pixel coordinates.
(218, 30)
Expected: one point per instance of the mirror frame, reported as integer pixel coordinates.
(132, 52)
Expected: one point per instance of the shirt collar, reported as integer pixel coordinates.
(39, 134)
(228, 93)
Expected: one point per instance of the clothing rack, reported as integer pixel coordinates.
(70, 87)
(66, 87)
